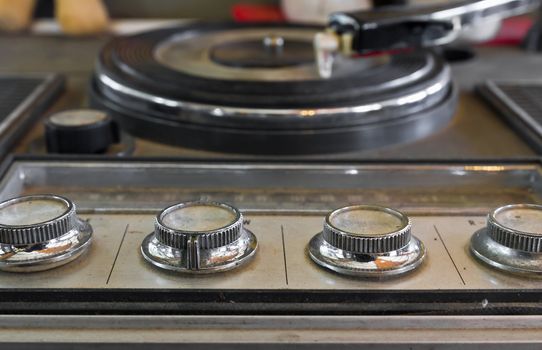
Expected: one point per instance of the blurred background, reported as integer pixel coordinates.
(215, 10)
(205, 9)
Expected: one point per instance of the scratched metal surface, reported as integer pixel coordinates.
(141, 186)
(114, 260)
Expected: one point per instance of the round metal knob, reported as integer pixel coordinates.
(40, 232)
(517, 227)
(366, 240)
(367, 229)
(512, 239)
(199, 237)
(210, 225)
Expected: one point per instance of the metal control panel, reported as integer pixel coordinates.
(112, 293)
(114, 260)
(452, 203)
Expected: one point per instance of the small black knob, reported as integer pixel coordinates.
(80, 131)
(383, 3)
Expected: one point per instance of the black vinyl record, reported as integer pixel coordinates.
(255, 89)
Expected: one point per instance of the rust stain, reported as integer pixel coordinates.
(385, 264)
(56, 249)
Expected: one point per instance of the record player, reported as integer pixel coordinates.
(282, 185)
(237, 88)
(182, 92)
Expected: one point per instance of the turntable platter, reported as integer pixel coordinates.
(256, 89)
(253, 54)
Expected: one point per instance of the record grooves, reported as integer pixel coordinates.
(182, 86)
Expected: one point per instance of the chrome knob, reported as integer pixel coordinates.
(512, 239)
(517, 227)
(199, 237)
(40, 232)
(367, 229)
(366, 240)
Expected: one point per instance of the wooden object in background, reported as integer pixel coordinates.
(15, 15)
(81, 17)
